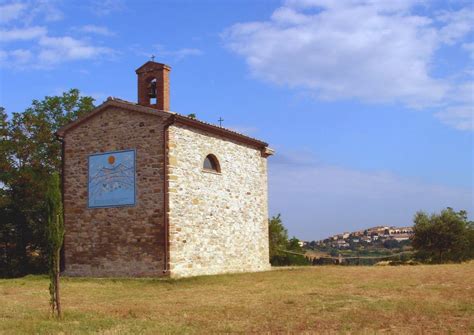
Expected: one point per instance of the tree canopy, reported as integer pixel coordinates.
(29, 154)
(444, 237)
(278, 236)
(282, 250)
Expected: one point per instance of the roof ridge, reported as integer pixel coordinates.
(111, 98)
(192, 122)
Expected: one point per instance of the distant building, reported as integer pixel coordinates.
(302, 243)
(401, 237)
(342, 244)
(366, 239)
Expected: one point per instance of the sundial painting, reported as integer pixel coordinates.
(112, 179)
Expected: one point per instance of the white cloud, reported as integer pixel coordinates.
(163, 54)
(460, 112)
(380, 6)
(459, 117)
(48, 10)
(106, 7)
(26, 45)
(373, 51)
(185, 52)
(178, 54)
(60, 49)
(22, 34)
(317, 200)
(33, 10)
(45, 51)
(469, 47)
(21, 56)
(3, 56)
(10, 12)
(93, 29)
(457, 25)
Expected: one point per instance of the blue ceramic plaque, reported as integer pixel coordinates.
(112, 179)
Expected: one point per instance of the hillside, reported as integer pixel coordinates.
(391, 299)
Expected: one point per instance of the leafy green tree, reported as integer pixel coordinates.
(29, 154)
(444, 237)
(391, 244)
(294, 245)
(55, 239)
(282, 250)
(277, 235)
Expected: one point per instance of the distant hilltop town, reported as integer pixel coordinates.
(380, 235)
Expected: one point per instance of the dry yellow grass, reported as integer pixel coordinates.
(409, 299)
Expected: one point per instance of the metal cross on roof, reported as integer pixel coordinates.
(220, 121)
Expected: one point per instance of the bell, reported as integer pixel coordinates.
(152, 89)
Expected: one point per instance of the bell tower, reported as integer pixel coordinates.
(154, 85)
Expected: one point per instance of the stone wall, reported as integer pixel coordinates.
(217, 221)
(121, 241)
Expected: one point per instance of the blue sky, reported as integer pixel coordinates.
(369, 104)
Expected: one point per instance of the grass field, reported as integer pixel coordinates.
(405, 299)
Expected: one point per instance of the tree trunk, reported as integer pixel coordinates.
(56, 279)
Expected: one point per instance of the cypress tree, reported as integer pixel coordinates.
(55, 239)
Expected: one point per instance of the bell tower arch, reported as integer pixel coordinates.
(153, 85)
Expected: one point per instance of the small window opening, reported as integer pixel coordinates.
(152, 92)
(211, 164)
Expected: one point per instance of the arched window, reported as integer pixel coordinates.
(211, 164)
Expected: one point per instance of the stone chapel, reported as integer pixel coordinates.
(150, 192)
